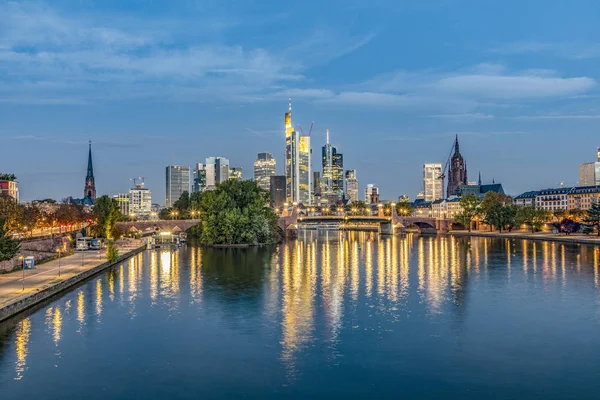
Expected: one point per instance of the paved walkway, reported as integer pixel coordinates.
(17, 285)
(555, 237)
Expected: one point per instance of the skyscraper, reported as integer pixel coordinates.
(199, 178)
(432, 182)
(140, 201)
(178, 181)
(333, 169)
(217, 171)
(457, 175)
(235, 173)
(90, 184)
(589, 173)
(297, 163)
(264, 168)
(351, 186)
(277, 186)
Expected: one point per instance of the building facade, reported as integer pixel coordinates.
(552, 199)
(351, 186)
(589, 174)
(265, 167)
(446, 208)
(432, 182)
(297, 163)
(526, 199)
(217, 171)
(332, 164)
(177, 182)
(140, 202)
(457, 175)
(582, 197)
(9, 188)
(371, 194)
(277, 188)
(122, 200)
(235, 173)
(199, 177)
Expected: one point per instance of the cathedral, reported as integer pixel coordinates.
(89, 192)
(457, 176)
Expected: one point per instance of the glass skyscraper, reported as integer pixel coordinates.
(264, 168)
(297, 163)
(199, 178)
(178, 181)
(351, 186)
(432, 182)
(217, 171)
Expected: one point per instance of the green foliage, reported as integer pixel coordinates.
(48, 201)
(532, 216)
(593, 216)
(237, 213)
(7, 177)
(106, 213)
(491, 210)
(112, 253)
(359, 208)
(9, 247)
(470, 205)
(404, 208)
(12, 213)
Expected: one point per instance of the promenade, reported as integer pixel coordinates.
(575, 238)
(20, 285)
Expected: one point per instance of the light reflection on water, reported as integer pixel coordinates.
(324, 307)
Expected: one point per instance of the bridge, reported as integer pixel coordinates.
(148, 228)
(290, 222)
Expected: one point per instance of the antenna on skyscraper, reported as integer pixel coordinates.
(290, 104)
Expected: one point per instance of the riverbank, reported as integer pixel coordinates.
(20, 290)
(545, 236)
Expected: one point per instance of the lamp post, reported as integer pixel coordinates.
(22, 258)
(58, 250)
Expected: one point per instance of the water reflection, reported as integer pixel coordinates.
(309, 296)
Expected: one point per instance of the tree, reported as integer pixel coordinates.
(569, 226)
(532, 216)
(9, 247)
(404, 208)
(593, 216)
(490, 209)
(470, 208)
(237, 213)
(112, 253)
(12, 212)
(509, 216)
(182, 205)
(106, 213)
(7, 177)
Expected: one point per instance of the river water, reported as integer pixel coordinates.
(329, 315)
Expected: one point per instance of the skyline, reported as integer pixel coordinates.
(213, 80)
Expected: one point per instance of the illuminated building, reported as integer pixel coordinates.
(457, 175)
(140, 201)
(552, 199)
(333, 169)
(277, 187)
(351, 186)
(371, 194)
(177, 182)
(432, 182)
(9, 187)
(235, 173)
(265, 167)
(447, 208)
(217, 171)
(582, 197)
(297, 163)
(526, 199)
(122, 200)
(199, 178)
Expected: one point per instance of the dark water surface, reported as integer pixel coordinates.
(326, 316)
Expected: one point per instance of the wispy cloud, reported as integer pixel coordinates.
(576, 51)
(463, 117)
(557, 117)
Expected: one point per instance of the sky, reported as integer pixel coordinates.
(157, 83)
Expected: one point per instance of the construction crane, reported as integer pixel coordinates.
(443, 174)
(139, 178)
(309, 131)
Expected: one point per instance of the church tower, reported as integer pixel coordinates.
(458, 171)
(90, 185)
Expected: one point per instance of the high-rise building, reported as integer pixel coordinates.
(297, 163)
(178, 181)
(123, 202)
(89, 191)
(457, 175)
(371, 194)
(264, 168)
(589, 173)
(140, 201)
(235, 173)
(217, 171)
(277, 187)
(199, 178)
(333, 169)
(432, 182)
(351, 186)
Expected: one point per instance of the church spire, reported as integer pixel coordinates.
(90, 168)
(479, 181)
(456, 151)
(89, 191)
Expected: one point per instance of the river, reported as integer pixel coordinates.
(329, 315)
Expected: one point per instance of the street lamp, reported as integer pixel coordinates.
(58, 250)
(22, 258)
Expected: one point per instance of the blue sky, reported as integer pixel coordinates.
(173, 82)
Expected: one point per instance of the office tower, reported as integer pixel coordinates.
(589, 173)
(178, 181)
(297, 163)
(333, 169)
(89, 191)
(217, 171)
(351, 186)
(457, 175)
(264, 168)
(432, 182)
(235, 173)
(140, 200)
(277, 187)
(199, 178)
(123, 202)
(371, 194)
